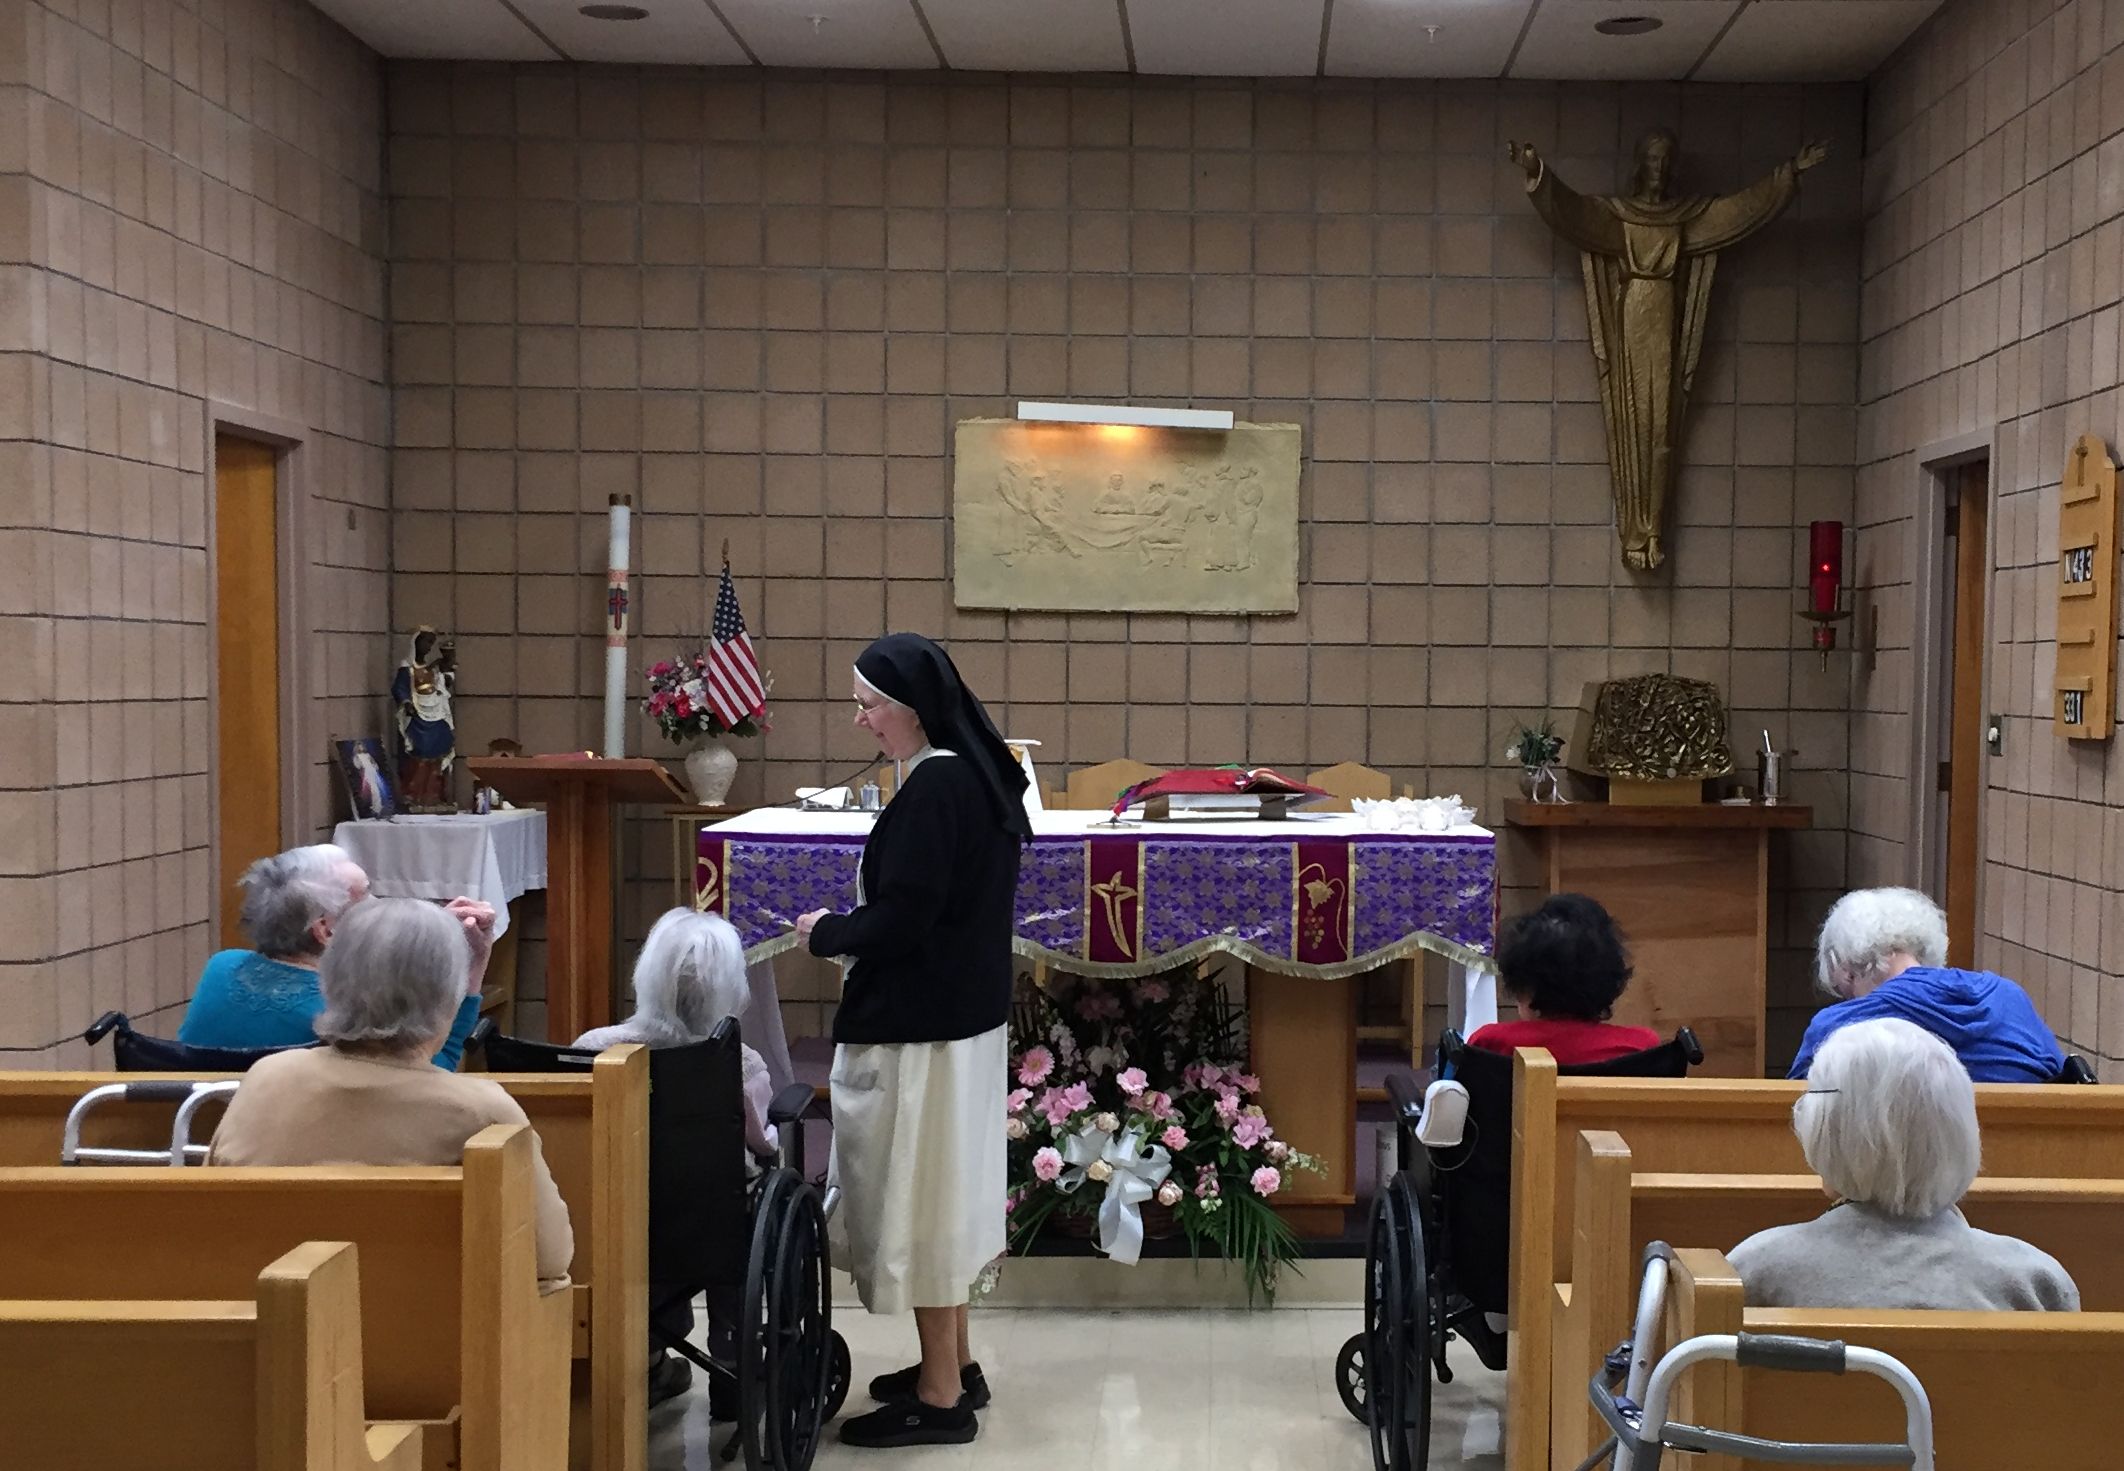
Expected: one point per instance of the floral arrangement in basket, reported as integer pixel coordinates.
(1132, 1118)
(678, 701)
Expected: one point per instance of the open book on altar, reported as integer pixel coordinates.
(1225, 790)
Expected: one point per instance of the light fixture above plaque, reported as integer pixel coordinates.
(1052, 413)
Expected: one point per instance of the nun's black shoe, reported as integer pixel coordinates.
(912, 1422)
(900, 1384)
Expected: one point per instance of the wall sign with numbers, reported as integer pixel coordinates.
(2087, 593)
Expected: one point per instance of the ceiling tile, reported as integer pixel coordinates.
(1386, 38)
(1226, 38)
(879, 35)
(681, 32)
(1562, 45)
(1029, 35)
(1812, 40)
(463, 30)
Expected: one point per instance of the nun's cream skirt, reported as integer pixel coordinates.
(919, 1154)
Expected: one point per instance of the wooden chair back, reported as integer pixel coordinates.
(1347, 779)
(1618, 1211)
(1720, 1126)
(454, 1322)
(273, 1381)
(1095, 788)
(2007, 1389)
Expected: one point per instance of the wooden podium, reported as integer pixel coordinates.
(1690, 889)
(579, 793)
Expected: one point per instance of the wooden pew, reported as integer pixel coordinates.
(1713, 1126)
(1617, 1212)
(2007, 1389)
(594, 1132)
(273, 1383)
(455, 1335)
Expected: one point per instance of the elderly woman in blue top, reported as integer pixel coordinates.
(1881, 954)
(268, 996)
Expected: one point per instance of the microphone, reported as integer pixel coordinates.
(873, 764)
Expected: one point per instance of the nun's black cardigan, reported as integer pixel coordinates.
(931, 942)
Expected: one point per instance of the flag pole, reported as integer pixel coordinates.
(622, 511)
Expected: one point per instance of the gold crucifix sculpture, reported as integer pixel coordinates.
(1648, 261)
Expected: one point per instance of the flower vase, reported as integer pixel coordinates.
(1540, 784)
(711, 766)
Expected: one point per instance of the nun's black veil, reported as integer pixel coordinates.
(909, 668)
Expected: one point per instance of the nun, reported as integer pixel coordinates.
(921, 1055)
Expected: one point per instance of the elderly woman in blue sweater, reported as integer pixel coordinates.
(1882, 953)
(268, 996)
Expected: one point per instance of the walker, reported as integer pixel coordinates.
(1638, 1420)
(189, 1098)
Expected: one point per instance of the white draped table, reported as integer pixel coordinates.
(494, 857)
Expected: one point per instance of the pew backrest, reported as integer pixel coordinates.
(449, 1284)
(1719, 1126)
(2007, 1389)
(272, 1382)
(1616, 1212)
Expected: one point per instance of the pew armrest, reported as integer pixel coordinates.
(396, 1447)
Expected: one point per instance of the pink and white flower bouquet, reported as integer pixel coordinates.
(1130, 1095)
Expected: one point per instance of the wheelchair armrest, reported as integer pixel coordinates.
(1407, 1097)
(792, 1103)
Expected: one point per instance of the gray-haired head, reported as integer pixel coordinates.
(1868, 931)
(1889, 1119)
(393, 977)
(690, 975)
(285, 896)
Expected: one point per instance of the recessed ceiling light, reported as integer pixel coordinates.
(615, 12)
(1628, 25)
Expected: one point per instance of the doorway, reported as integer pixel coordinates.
(247, 664)
(1965, 577)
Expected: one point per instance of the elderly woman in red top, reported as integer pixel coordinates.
(1565, 966)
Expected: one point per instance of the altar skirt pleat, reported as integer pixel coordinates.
(920, 1157)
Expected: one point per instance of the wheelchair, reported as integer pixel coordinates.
(715, 1226)
(137, 1052)
(1438, 1244)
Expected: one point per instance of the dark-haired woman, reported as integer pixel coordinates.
(920, 1062)
(1565, 966)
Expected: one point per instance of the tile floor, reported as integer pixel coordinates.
(1163, 1390)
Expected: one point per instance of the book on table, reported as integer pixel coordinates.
(1219, 792)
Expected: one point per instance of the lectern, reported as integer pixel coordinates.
(579, 793)
(1690, 888)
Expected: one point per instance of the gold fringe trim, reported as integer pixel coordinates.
(1188, 954)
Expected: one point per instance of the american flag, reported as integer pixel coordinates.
(732, 679)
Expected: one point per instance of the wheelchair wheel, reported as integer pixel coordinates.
(839, 1376)
(755, 1432)
(799, 1331)
(1421, 1325)
(1385, 1298)
(1349, 1378)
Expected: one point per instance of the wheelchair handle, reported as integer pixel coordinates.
(1407, 1097)
(103, 1026)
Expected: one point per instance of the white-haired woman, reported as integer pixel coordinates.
(392, 979)
(268, 996)
(1883, 953)
(1889, 1122)
(689, 976)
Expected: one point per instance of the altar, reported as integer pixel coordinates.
(1305, 903)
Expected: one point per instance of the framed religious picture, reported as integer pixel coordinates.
(366, 770)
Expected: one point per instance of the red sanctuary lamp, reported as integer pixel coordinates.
(1825, 583)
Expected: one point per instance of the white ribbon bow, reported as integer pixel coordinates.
(1137, 1174)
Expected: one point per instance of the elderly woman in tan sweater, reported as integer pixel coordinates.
(392, 980)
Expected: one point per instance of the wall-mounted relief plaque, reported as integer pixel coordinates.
(2087, 593)
(1113, 518)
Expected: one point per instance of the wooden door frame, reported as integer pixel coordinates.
(300, 739)
(1932, 651)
